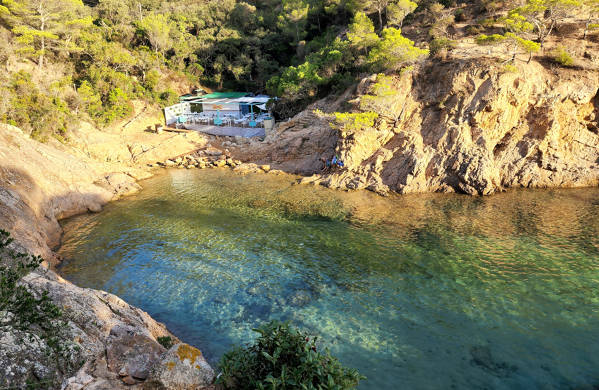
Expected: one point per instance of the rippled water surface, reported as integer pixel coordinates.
(417, 292)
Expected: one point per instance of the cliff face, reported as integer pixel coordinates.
(114, 345)
(461, 125)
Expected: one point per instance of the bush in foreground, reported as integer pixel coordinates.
(284, 358)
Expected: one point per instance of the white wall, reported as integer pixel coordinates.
(171, 113)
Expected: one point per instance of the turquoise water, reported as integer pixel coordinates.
(416, 292)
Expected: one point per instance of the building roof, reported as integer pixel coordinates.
(245, 100)
(224, 95)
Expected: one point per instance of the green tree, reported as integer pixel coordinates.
(514, 44)
(156, 28)
(397, 12)
(361, 33)
(545, 15)
(44, 25)
(394, 50)
(377, 6)
(294, 16)
(91, 100)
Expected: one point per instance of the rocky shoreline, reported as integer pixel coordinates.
(115, 345)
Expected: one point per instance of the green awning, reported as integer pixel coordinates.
(224, 95)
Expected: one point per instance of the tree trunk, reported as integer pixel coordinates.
(529, 57)
(40, 62)
(586, 28)
(380, 19)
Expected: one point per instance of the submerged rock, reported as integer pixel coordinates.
(300, 298)
(482, 357)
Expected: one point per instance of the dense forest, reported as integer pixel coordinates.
(70, 59)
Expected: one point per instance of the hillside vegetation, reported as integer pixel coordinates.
(68, 60)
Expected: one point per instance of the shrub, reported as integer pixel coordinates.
(474, 29)
(439, 44)
(168, 98)
(349, 123)
(117, 107)
(34, 111)
(509, 68)
(284, 358)
(165, 341)
(562, 57)
(29, 314)
(459, 15)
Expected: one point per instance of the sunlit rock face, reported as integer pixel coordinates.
(463, 125)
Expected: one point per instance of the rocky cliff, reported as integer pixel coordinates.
(462, 125)
(114, 345)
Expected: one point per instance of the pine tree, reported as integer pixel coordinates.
(545, 15)
(397, 12)
(294, 15)
(157, 29)
(361, 33)
(394, 50)
(44, 25)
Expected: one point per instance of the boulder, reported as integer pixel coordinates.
(119, 183)
(182, 368)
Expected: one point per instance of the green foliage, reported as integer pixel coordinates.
(513, 43)
(544, 15)
(26, 313)
(165, 341)
(510, 68)
(394, 50)
(44, 26)
(117, 106)
(91, 100)
(397, 12)
(439, 44)
(348, 123)
(493, 39)
(156, 28)
(168, 98)
(361, 33)
(379, 97)
(284, 358)
(38, 113)
(294, 17)
(562, 57)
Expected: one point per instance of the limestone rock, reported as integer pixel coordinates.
(133, 355)
(463, 125)
(182, 368)
(120, 184)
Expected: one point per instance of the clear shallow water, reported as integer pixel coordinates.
(417, 292)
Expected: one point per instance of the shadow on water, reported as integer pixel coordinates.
(498, 292)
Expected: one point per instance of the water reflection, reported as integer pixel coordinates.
(422, 291)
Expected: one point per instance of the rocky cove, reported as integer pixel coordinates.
(461, 127)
